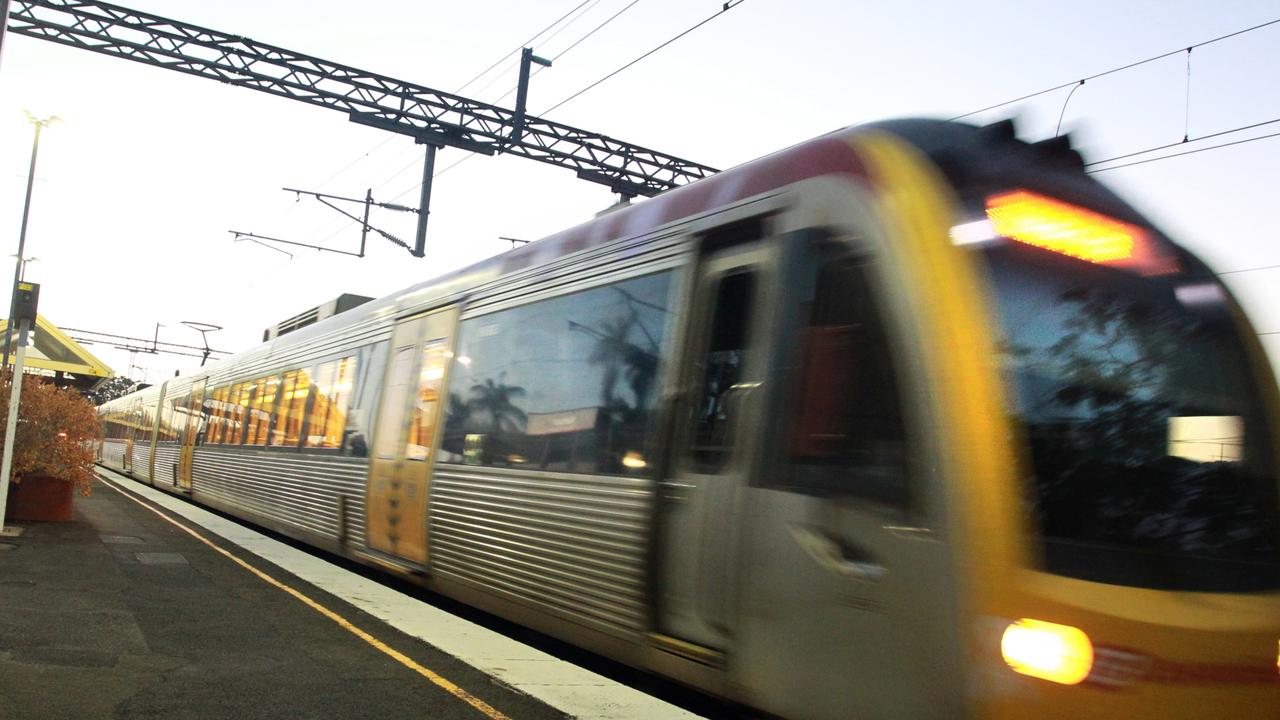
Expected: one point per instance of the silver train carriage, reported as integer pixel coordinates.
(769, 434)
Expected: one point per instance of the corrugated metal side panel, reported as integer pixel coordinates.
(573, 545)
(113, 453)
(295, 489)
(141, 459)
(166, 457)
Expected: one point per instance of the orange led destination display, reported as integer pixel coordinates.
(1070, 230)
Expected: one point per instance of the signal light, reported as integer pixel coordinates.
(1070, 230)
(1049, 651)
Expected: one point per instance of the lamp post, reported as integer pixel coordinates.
(22, 235)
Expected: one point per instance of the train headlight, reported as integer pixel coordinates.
(1045, 650)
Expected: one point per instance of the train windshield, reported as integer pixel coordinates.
(1151, 453)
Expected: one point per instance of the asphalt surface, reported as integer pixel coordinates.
(120, 614)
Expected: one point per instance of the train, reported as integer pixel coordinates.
(915, 419)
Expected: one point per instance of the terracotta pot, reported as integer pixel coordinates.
(41, 499)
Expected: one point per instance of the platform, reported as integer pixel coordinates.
(148, 607)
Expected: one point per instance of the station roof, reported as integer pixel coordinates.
(53, 351)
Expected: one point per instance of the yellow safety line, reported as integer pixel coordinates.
(398, 656)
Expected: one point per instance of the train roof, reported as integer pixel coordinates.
(962, 151)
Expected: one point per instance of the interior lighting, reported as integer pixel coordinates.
(1049, 651)
(634, 460)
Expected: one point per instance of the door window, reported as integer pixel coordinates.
(721, 370)
(846, 434)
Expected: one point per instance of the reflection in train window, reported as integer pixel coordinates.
(238, 401)
(729, 331)
(256, 418)
(566, 384)
(1151, 451)
(846, 434)
(422, 428)
(333, 383)
(287, 427)
(217, 405)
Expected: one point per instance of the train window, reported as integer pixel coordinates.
(239, 401)
(722, 368)
(286, 425)
(566, 384)
(846, 432)
(392, 414)
(295, 412)
(178, 414)
(270, 389)
(220, 408)
(1151, 453)
(255, 420)
(422, 429)
(213, 408)
(333, 383)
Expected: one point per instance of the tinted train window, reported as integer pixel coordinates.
(567, 384)
(846, 434)
(1152, 455)
(721, 369)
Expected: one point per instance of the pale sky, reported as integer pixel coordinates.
(136, 191)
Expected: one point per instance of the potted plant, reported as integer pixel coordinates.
(52, 450)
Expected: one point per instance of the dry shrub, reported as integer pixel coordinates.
(56, 432)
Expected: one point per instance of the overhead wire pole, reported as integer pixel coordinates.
(429, 116)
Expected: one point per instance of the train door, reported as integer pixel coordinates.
(847, 603)
(406, 435)
(194, 424)
(712, 448)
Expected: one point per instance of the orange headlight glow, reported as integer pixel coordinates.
(1045, 650)
(1074, 231)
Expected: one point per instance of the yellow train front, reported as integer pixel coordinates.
(913, 420)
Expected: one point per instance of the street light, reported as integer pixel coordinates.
(22, 235)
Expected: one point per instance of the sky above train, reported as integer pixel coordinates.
(137, 190)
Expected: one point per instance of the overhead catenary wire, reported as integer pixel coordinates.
(540, 68)
(723, 9)
(1115, 70)
(1184, 141)
(1252, 269)
(576, 43)
(1186, 152)
(519, 47)
(731, 4)
(482, 73)
(515, 63)
(415, 162)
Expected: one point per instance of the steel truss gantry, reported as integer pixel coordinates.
(431, 117)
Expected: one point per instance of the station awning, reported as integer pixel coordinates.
(51, 352)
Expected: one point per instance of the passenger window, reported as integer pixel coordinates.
(722, 369)
(256, 433)
(293, 407)
(268, 388)
(280, 416)
(239, 403)
(846, 435)
(567, 384)
(333, 382)
(216, 405)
